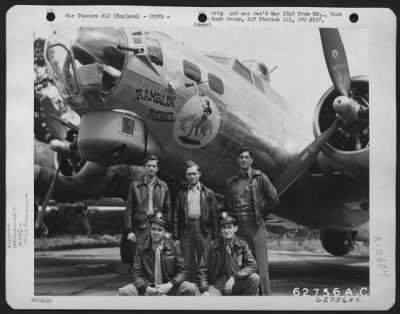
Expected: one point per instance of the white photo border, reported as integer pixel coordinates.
(21, 22)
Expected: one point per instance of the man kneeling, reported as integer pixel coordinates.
(227, 266)
(159, 268)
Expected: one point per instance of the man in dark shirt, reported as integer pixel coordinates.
(227, 266)
(251, 196)
(159, 268)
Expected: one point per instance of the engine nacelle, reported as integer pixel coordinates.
(115, 137)
(348, 148)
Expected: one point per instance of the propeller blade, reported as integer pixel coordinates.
(303, 160)
(335, 58)
(65, 123)
(39, 224)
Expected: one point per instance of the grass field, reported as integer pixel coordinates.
(308, 242)
(66, 231)
(65, 242)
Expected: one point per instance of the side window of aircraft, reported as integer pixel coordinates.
(215, 83)
(154, 51)
(191, 71)
(242, 71)
(259, 83)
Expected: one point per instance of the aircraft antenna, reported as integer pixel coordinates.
(273, 69)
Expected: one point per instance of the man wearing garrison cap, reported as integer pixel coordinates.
(227, 266)
(158, 268)
(194, 218)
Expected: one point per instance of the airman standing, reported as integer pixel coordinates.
(195, 218)
(146, 197)
(251, 196)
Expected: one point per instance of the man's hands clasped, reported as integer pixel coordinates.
(160, 290)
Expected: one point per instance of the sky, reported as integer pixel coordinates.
(301, 75)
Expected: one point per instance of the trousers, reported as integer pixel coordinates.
(128, 248)
(185, 288)
(256, 236)
(245, 286)
(194, 242)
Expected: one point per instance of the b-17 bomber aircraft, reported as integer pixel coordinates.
(140, 92)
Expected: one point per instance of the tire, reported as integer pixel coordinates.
(337, 243)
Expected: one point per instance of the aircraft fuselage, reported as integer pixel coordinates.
(182, 105)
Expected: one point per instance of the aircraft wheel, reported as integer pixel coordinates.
(337, 243)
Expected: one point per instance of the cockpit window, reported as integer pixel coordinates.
(154, 51)
(242, 71)
(259, 83)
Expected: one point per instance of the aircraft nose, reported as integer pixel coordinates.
(101, 45)
(88, 65)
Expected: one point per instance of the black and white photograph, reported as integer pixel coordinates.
(227, 153)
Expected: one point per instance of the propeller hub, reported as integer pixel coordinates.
(346, 108)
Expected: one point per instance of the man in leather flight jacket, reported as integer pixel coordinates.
(195, 220)
(251, 196)
(146, 197)
(227, 266)
(159, 268)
